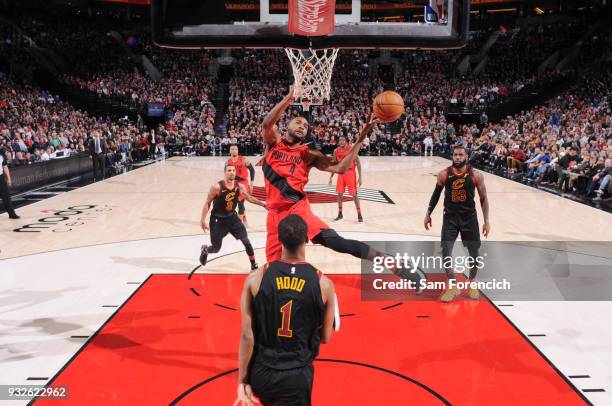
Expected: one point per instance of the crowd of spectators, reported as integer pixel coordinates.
(566, 143)
(563, 143)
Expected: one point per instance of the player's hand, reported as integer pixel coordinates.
(427, 222)
(245, 395)
(485, 229)
(9, 182)
(204, 225)
(359, 182)
(330, 181)
(373, 121)
(294, 93)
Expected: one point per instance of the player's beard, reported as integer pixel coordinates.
(459, 165)
(295, 139)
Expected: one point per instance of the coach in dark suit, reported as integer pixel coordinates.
(97, 152)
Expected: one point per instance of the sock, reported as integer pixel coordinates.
(252, 259)
(359, 210)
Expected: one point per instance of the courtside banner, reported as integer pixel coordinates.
(311, 18)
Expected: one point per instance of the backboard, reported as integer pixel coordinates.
(418, 24)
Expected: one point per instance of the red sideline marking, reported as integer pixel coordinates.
(466, 352)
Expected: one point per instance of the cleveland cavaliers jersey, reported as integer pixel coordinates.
(459, 192)
(242, 172)
(224, 204)
(287, 315)
(286, 173)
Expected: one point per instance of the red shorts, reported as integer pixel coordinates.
(347, 180)
(302, 209)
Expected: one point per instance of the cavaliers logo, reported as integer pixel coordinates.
(458, 184)
(229, 201)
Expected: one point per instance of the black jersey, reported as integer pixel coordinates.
(459, 192)
(287, 316)
(224, 205)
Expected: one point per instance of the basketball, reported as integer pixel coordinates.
(388, 106)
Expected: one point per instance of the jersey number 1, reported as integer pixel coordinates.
(285, 330)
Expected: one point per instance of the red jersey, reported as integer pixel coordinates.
(286, 172)
(340, 153)
(242, 172)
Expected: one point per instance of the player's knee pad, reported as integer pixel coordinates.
(329, 238)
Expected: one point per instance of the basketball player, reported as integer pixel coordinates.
(287, 311)
(242, 166)
(286, 166)
(347, 180)
(459, 182)
(224, 196)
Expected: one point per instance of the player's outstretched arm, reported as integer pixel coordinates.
(329, 299)
(251, 169)
(247, 342)
(270, 132)
(329, 164)
(212, 193)
(435, 197)
(250, 198)
(484, 203)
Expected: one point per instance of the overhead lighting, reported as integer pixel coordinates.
(538, 11)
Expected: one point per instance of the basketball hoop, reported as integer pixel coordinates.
(312, 72)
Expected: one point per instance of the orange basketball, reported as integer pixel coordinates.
(388, 106)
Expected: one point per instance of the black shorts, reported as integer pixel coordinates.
(276, 387)
(454, 225)
(221, 226)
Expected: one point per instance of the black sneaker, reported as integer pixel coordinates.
(14, 216)
(415, 277)
(204, 255)
(254, 266)
(359, 218)
(339, 217)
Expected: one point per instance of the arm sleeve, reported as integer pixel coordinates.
(434, 198)
(251, 172)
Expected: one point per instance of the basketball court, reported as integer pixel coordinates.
(102, 292)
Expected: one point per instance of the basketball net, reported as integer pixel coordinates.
(312, 72)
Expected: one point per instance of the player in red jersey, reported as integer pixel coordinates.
(244, 170)
(347, 180)
(286, 165)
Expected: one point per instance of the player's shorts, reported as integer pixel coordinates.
(347, 180)
(302, 209)
(276, 387)
(221, 226)
(454, 225)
